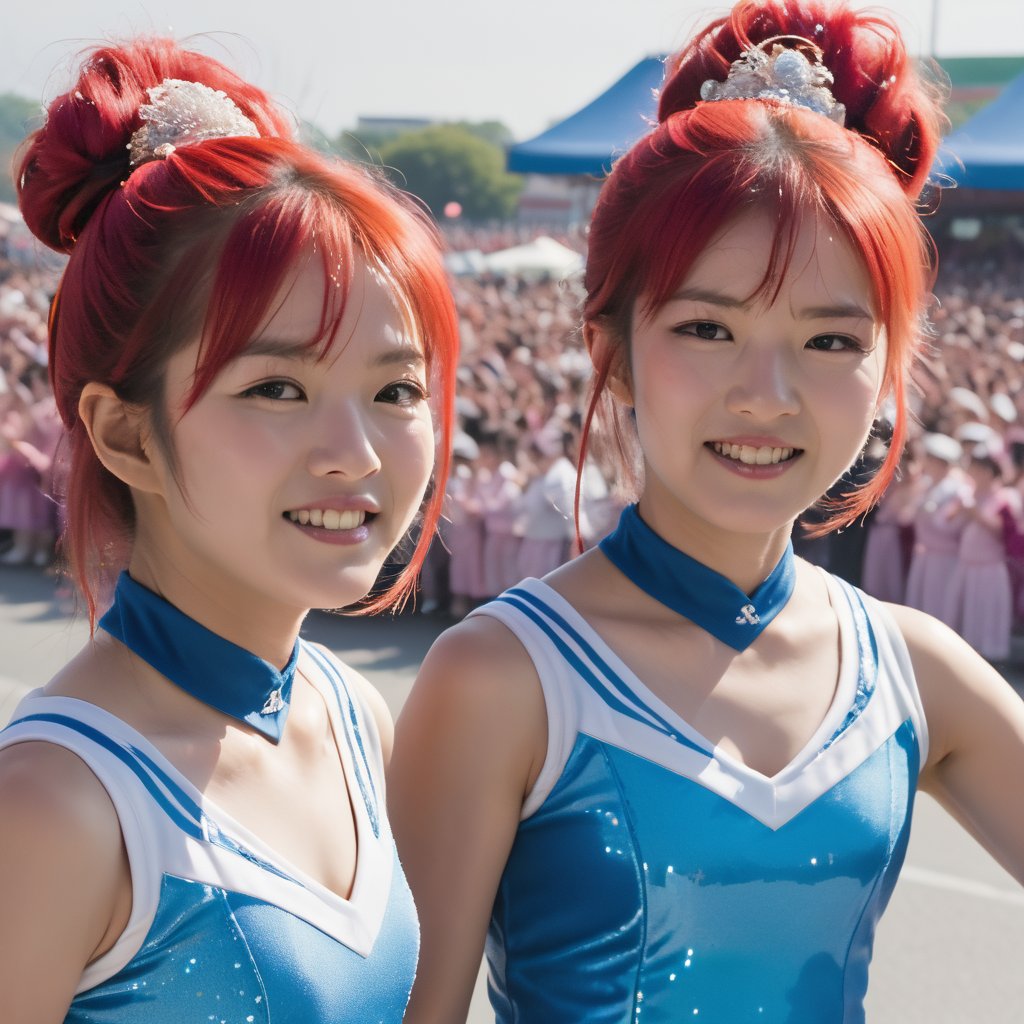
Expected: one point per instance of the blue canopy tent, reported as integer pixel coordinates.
(588, 141)
(989, 146)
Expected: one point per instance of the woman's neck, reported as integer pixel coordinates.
(260, 625)
(746, 559)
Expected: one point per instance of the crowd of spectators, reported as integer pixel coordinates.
(29, 428)
(522, 387)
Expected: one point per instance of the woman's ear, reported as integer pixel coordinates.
(120, 436)
(605, 346)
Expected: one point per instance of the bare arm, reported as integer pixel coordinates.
(975, 721)
(469, 744)
(64, 879)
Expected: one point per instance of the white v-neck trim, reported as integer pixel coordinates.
(576, 708)
(842, 698)
(354, 922)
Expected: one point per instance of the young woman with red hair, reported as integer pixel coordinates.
(673, 780)
(243, 349)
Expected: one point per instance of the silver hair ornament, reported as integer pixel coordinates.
(181, 114)
(784, 74)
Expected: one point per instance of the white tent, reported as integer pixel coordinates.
(542, 256)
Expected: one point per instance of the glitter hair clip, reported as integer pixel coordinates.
(784, 74)
(182, 114)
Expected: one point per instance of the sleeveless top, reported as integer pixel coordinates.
(656, 879)
(221, 928)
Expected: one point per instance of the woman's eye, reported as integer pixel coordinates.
(402, 392)
(835, 343)
(275, 390)
(707, 330)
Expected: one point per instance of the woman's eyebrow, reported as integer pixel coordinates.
(840, 311)
(281, 348)
(310, 353)
(849, 311)
(396, 354)
(709, 296)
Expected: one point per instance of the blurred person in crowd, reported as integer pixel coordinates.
(979, 593)
(545, 524)
(886, 549)
(464, 534)
(501, 493)
(29, 434)
(941, 488)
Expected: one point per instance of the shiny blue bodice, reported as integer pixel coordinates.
(221, 928)
(655, 880)
(213, 954)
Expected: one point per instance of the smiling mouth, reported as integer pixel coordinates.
(329, 518)
(765, 455)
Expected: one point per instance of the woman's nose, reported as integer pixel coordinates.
(763, 386)
(343, 444)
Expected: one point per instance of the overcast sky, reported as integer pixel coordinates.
(525, 62)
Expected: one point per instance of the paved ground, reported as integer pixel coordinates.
(948, 951)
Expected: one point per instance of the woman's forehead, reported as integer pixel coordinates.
(320, 292)
(811, 260)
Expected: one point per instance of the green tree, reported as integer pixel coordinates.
(495, 132)
(451, 163)
(16, 117)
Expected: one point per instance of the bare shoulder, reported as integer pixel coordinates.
(481, 661)
(482, 648)
(64, 876)
(52, 793)
(941, 658)
(927, 638)
(479, 684)
(960, 691)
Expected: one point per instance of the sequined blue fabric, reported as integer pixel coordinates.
(656, 881)
(218, 956)
(222, 928)
(612, 911)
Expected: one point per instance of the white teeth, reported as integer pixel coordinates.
(328, 519)
(765, 455)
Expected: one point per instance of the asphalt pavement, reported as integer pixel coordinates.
(948, 951)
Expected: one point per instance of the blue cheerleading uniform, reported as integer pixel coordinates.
(221, 928)
(655, 879)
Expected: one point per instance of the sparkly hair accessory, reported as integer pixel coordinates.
(182, 114)
(784, 74)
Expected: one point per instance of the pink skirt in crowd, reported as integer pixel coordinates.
(23, 506)
(465, 572)
(928, 582)
(501, 562)
(539, 557)
(980, 607)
